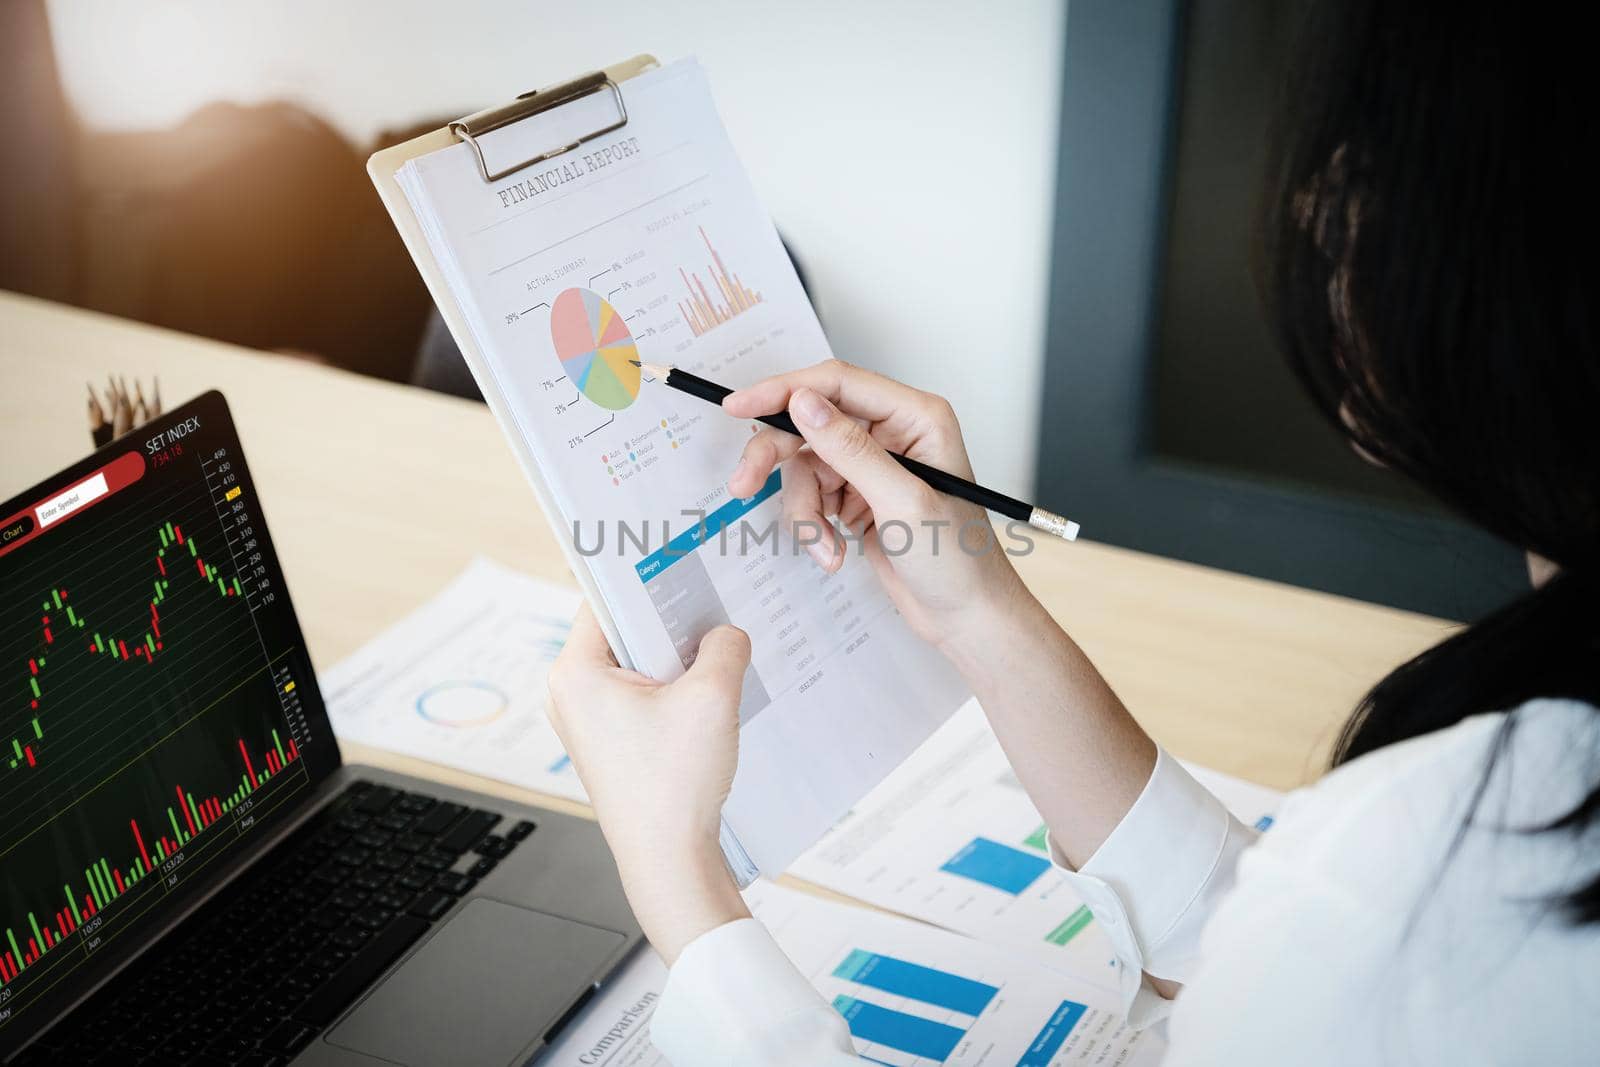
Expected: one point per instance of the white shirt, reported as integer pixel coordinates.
(1347, 934)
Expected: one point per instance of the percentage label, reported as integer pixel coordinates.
(512, 317)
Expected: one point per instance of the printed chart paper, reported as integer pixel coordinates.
(461, 681)
(951, 838)
(649, 244)
(912, 995)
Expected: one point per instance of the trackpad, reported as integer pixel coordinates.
(483, 990)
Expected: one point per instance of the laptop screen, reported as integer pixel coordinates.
(158, 711)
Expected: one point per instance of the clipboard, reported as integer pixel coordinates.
(383, 168)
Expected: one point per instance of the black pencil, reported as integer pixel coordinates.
(1010, 507)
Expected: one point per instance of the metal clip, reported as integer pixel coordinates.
(472, 127)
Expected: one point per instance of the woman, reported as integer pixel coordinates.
(1433, 899)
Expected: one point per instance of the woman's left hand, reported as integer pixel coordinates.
(657, 760)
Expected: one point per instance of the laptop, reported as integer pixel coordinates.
(191, 874)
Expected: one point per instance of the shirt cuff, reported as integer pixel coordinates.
(733, 997)
(1156, 879)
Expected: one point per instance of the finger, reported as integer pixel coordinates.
(860, 392)
(854, 511)
(922, 425)
(762, 453)
(806, 510)
(587, 644)
(722, 659)
(845, 445)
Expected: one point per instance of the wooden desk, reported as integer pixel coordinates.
(378, 494)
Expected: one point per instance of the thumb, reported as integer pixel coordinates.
(722, 659)
(846, 446)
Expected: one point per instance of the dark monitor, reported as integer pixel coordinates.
(158, 710)
(1171, 423)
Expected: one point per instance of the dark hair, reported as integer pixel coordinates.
(1429, 261)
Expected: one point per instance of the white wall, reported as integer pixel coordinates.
(906, 148)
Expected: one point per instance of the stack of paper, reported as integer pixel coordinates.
(951, 838)
(911, 994)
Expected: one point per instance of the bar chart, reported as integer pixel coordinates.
(914, 1034)
(103, 883)
(1003, 867)
(914, 995)
(704, 309)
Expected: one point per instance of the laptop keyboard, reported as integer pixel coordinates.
(257, 973)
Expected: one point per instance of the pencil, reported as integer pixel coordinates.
(99, 428)
(1010, 507)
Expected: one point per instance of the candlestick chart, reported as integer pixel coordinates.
(148, 712)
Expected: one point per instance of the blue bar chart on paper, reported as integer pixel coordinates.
(905, 1009)
(1010, 870)
(913, 995)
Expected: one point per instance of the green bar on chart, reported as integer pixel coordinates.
(94, 887)
(279, 745)
(150, 642)
(198, 822)
(1070, 927)
(16, 953)
(77, 920)
(105, 873)
(38, 937)
(37, 733)
(57, 594)
(99, 644)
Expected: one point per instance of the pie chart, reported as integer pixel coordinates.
(594, 346)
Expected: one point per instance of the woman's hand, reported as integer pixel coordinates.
(657, 760)
(937, 556)
(1080, 755)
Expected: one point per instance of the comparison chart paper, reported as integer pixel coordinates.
(951, 838)
(649, 244)
(911, 994)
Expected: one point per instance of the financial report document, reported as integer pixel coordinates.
(649, 243)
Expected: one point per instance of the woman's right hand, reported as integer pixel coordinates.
(939, 558)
